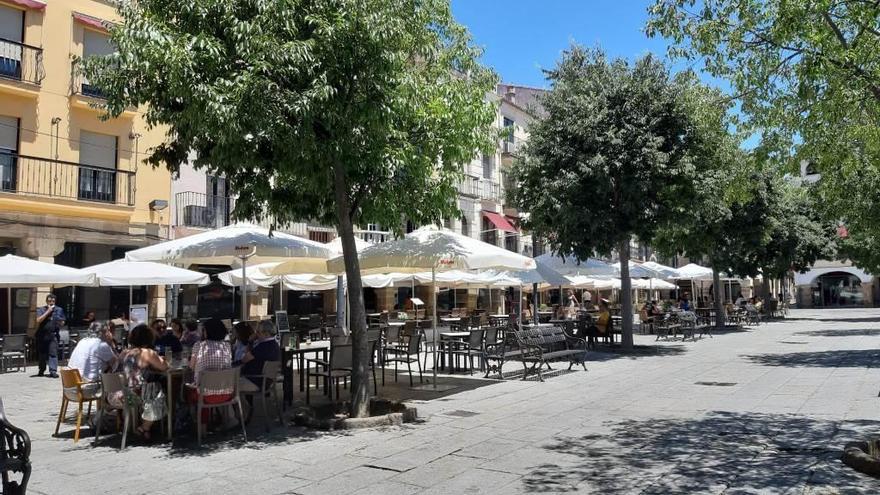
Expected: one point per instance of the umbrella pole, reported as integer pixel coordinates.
(9, 310)
(130, 298)
(341, 301)
(434, 320)
(519, 313)
(535, 302)
(244, 309)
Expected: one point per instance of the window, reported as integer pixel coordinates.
(8, 151)
(489, 234)
(509, 126)
(488, 167)
(94, 45)
(447, 223)
(97, 173)
(465, 227)
(11, 31)
(217, 203)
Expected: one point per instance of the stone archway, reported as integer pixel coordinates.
(839, 289)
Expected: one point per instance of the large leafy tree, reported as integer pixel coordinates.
(608, 163)
(342, 111)
(807, 74)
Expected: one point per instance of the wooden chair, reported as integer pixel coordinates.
(110, 384)
(15, 453)
(209, 383)
(72, 391)
(268, 380)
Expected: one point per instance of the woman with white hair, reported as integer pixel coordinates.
(263, 348)
(94, 354)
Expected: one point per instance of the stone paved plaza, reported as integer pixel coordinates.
(766, 410)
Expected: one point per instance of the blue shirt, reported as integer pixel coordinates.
(263, 350)
(168, 339)
(57, 313)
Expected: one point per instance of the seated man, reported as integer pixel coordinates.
(167, 340)
(264, 348)
(94, 355)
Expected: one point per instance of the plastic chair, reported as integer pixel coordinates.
(14, 348)
(112, 383)
(212, 381)
(267, 381)
(71, 391)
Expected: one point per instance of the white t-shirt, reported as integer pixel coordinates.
(91, 356)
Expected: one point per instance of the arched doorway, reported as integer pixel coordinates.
(837, 289)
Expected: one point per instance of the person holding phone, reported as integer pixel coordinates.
(50, 319)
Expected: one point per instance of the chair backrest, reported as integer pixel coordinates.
(271, 369)
(70, 377)
(414, 343)
(474, 321)
(64, 336)
(219, 382)
(410, 327)
(14, 343)
(340, 356)
(112, 382)
(491, 335)
(475, 339)
(314, 321)
(392, 334)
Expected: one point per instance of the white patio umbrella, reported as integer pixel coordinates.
(437, 250)
(122, 273)
(239, 243)
(569, 265)
(694, 272)
(16, 271)
(667, 272)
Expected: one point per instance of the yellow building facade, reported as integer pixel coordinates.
(73, 188)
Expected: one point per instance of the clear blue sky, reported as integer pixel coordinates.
(521, 37)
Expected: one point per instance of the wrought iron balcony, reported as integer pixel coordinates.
(44, 177)
(21, 62)
(469, 186)
(203, 211)
(79, 84)
(490, 190)
(510, 147)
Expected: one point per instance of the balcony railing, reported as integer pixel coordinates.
(21, 62)
(34, 176)
(79, 84)
(490, 190)
(469, 186)
(203, 210)
(509, 147)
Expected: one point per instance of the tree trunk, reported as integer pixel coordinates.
(765, 287)
(719, 300)
(626, 310)
(360, 358)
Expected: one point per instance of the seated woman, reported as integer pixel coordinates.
(191, 333)
(141, 365)
(264, 348)
(243, 336)
(211, 354)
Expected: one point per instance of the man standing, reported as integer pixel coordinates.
(50, 319)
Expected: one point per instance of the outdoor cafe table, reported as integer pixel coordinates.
(176, 370)
(449, 339)
(320, 350)
(498, 318)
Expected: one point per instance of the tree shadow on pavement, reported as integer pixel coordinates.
(851, 332)
(862, 358)
(608, 353)
(753, 453)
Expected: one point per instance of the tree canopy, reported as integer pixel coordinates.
(609, 161)
(344, 111)
(806, 74)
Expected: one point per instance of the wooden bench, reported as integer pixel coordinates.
(539, 346)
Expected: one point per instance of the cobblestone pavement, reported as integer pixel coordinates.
(765, 410)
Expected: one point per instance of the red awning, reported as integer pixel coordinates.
(90, 21)
(499, 221)
(29, 4)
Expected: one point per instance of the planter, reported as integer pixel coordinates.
(383, 412)
(863, 456)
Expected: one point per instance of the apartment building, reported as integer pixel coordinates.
(73, 189)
